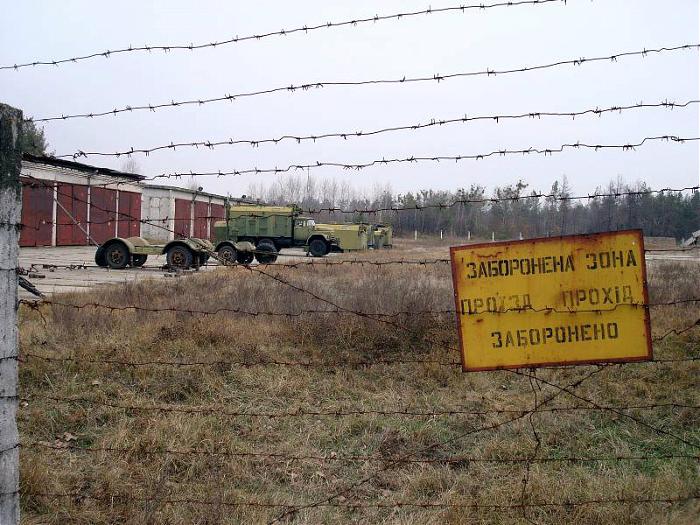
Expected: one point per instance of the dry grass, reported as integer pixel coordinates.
(92, 333)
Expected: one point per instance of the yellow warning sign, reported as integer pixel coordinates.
(552, 301)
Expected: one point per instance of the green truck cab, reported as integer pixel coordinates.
(270, 229)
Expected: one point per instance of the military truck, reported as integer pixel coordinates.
(270, 229)
(118, 252)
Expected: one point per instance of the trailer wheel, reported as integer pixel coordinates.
(100, 257)
(318, 248)
(116, 255)
(244, 257)
(138, 260)
(228, 254)
(179, 257)
(265, 254)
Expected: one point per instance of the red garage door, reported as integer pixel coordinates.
(37, 214)
(103, 213)
(183, 217)
(217, 214)
(129, 214)
(74, 199)
(201, 219)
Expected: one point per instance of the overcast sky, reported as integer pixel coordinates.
(426, 45)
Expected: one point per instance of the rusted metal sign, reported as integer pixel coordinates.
(552, 301)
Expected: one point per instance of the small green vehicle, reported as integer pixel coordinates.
(118, 253)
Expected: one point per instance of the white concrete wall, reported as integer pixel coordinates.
(158, 210)
(157, 215)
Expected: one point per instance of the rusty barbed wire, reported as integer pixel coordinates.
(348, 412)
(307, 86)
(282, 32)
(333, 457)
(209, 144)
(358, 363)
(79, 496)
(630, 146)
(417, 207)
(339, 310)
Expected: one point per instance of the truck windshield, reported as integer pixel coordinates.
(311, 223)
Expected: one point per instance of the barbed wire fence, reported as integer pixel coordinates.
(550, 394)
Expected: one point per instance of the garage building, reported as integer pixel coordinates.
(66, 203)
(171, 212)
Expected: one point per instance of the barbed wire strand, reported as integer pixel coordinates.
(549, 151)
(307, 86)
(531, 115)
(282, 32)
(347, 412)
(305, 364)
(334, 458)
(127, 498)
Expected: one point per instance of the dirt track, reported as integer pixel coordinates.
(54, 275)
(86, 274)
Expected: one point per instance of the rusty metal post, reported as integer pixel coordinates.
(10, 216)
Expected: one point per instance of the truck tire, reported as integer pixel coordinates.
(138, 260)
(179, 256)
(318, 248)
(269, 242)
(117, 255)
(265, 254)
(100, 257)
(228, 254)
(203, 258)
(244, 257)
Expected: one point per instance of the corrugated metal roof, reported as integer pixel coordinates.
(193, 192)
(69, 164)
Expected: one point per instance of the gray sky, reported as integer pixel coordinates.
(439, 43)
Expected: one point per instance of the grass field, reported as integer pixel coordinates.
(242, 437)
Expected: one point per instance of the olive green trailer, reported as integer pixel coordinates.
(118, 252)
(351, 237)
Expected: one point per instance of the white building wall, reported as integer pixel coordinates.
(158, 210)
(157, 215)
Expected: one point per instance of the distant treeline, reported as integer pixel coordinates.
(658, 214)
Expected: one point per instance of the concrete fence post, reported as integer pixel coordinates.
(10, 215)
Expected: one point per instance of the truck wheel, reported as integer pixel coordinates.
(116, 255)
(228, 254)
(244, 257)
(138, 260)
(318, 248)
(100, 257)
(265, 254)
(179, 257)
(268, 242)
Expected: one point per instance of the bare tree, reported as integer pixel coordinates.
(131, 166)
